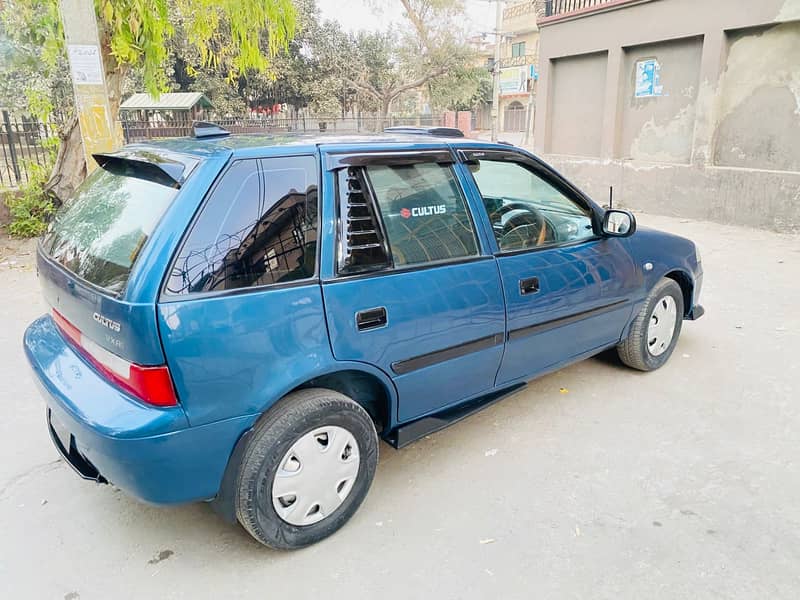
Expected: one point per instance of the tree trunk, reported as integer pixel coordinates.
(386, 106)
(69, 169)
(70, 166)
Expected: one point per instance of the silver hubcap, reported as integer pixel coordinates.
(315, 475)
(662, 326)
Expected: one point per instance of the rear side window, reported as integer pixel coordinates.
(423, 212)
(99, 232)
(423, 216)
(258, 227)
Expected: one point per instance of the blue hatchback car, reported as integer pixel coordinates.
(238, 319)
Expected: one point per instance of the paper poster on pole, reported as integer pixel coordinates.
(85, 64)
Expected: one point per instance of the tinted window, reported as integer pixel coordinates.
(525, 210)
(258, 227)
(99, 233)
(423, 213)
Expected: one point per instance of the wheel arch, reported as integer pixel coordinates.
(363, 388)
(373, 391)
(684, 280)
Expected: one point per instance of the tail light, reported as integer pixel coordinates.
(152, 385)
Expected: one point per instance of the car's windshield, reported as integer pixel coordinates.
(99, 232)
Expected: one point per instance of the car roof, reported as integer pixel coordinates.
(281, 144)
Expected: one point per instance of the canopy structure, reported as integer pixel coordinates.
(169, 101)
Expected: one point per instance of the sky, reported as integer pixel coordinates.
(356, 14)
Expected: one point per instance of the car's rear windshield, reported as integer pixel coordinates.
(98, 233)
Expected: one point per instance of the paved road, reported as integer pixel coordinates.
(684, 483)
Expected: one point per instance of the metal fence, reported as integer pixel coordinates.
(23, 143)
(561, 7)
(135, 131)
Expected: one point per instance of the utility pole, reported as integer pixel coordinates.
(498, 25)
(100, 131)
(531, 107)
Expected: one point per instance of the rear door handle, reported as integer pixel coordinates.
(371, 318)
(529, 285)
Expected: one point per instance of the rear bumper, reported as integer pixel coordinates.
(105, 435)
(68, 449)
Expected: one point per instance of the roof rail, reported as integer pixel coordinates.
(204, 129)
(437, 131)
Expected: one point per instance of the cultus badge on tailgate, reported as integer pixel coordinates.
(106, 322)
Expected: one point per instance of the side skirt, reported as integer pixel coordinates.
(410, 432)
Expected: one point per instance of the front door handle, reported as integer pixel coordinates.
(371, 318)
(529, 285)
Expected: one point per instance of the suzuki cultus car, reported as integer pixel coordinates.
(239, 319)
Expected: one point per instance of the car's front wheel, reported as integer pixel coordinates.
(655, 330)
(307, 468)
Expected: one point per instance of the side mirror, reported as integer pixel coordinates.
(618, 223)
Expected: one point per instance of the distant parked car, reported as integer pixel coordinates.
(239, 319)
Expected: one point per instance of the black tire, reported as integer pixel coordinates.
(292, 417)
(633, 350)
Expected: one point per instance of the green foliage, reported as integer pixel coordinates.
(136, 32)
(34, 77)
(225, 34)
(461, 89)
(235, 35)
(31, 207)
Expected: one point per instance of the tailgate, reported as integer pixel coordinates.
(89, 251)
(123, 328)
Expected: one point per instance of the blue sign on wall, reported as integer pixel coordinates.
(648, 78)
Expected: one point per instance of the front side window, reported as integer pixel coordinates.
(423, 211)
(525, 210)
(258, 227)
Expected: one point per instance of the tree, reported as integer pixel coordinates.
(313, 72)
(34, 76)
(428, 48)
(134, 34)
(463, 89)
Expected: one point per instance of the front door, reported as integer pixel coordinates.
(412, 292)
(568, 291)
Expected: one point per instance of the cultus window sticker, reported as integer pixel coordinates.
(423, 211)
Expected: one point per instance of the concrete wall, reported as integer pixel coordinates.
(659, 128)
(569, 104)
(759, 99)
(721, 139)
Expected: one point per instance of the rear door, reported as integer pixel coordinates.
(241, 314)
(412, 292)
(568, 291)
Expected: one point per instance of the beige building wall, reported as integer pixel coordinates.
(641, 136)
(519, 25)
(721, 138)
(572, 76)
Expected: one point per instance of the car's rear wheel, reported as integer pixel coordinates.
(306, 469)
(656, 328)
